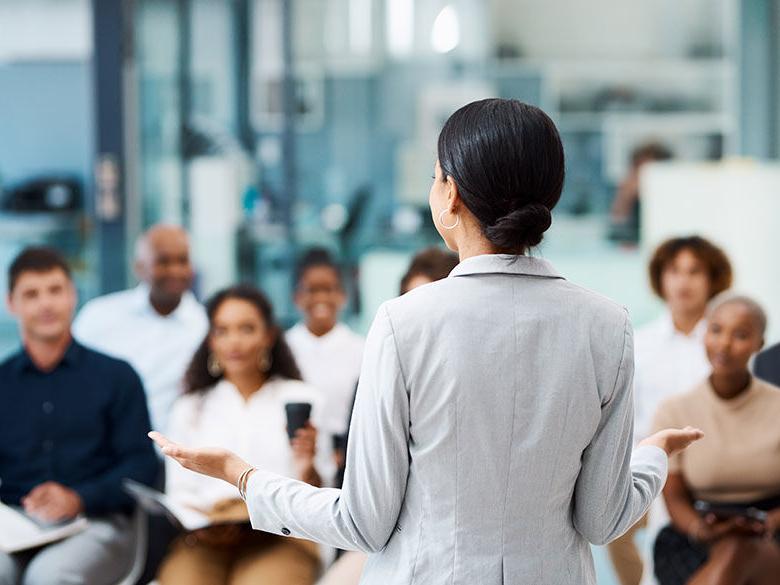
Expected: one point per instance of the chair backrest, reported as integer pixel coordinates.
(141, 530)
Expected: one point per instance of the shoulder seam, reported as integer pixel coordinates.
(395, 347)
(622, 355)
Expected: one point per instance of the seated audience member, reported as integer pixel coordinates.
(156, 326)
(736, 465)
(328, 352)
(237, 386)
(627, 205)
(767, 365)
(427, 266)
(73, 425)
(669, 355)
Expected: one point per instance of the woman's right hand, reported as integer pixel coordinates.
(214, 462)
(673, 440)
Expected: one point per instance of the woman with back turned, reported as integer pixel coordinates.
(491, 435)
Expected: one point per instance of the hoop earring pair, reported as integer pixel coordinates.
(448, 227)
(264, 363)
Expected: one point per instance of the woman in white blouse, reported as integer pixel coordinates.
(491, 438)
(236, 389)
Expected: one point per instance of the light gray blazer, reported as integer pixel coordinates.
(491, 436)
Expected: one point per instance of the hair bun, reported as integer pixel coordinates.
(520, 229)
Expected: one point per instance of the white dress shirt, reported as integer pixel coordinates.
(126, 326)
(330, 363)
(254, 429)
(668, 362)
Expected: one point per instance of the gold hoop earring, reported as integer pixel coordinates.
(448, 227)
(264, 361)
(213, 366)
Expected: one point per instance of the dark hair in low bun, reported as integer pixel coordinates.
(526, 224)
(506, 158)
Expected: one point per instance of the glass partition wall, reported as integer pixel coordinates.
(266, 126)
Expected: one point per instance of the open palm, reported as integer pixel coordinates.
(673, 440)
(211, 461)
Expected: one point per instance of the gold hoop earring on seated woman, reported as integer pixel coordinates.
(264, 361)
(213, 366)
(448, 227)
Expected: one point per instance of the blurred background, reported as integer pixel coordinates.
(266, 126)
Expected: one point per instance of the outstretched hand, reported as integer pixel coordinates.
(214, 462)
(673, 440)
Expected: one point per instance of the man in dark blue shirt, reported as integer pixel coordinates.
(73, 425)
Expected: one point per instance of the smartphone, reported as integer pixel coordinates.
(727, 511)
(298, 414)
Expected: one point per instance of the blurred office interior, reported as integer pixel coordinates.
(266, 126)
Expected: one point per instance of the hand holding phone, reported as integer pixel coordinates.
(298, 414)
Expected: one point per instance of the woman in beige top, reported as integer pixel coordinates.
(736, 465)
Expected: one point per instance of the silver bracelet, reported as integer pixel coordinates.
(242, 482)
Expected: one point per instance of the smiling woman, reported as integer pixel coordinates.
(327, 351)
(237, 386)
(734, 472)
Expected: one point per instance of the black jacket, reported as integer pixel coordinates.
(767, 365)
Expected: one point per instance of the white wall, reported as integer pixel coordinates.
(606, 28)
(736, 204)
(45, 30)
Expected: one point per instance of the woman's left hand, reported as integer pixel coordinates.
(219, 463)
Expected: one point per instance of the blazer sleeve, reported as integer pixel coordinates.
(666, 418)
(615, 488)
(363, 514)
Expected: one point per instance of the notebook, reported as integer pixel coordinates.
(19, 532)
(184, 517)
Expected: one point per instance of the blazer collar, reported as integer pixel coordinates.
(505, 264)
